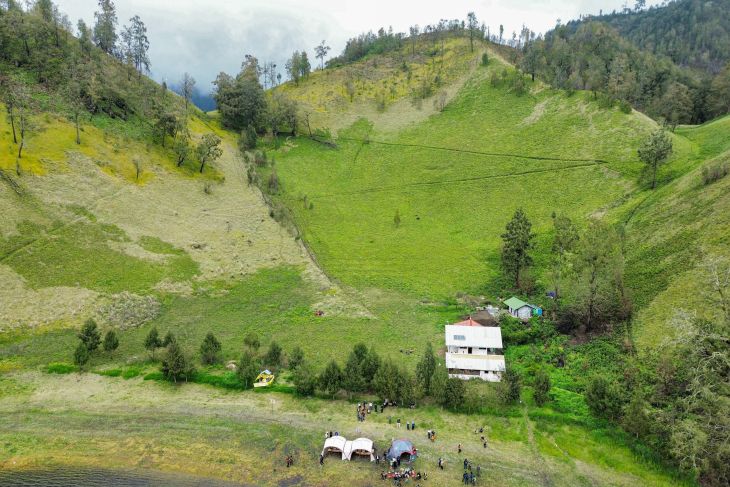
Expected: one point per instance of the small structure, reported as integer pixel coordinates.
(474, 351)
(264, 379)
(359, 447)
(335, 444)
(522, 310)
(399, 448)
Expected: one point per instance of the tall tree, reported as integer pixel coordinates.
(292, 67)
(152, 342)
(187, 87)
(321, 52)
(473, 26)
(414, 30)
(330, 380)
(105, 29)
(654, 152)
(517, 244)
(111, 342)
(425, 369)
(248, 369)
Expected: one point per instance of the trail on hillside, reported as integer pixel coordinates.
(481, 153)
(423, 184)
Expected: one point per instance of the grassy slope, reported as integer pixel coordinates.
(453, 204)
(673, 230)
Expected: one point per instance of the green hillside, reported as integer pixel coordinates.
(371, 213)
(455, 179)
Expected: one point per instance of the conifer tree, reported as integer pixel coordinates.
(517, 243)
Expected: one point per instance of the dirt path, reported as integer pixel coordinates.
(542, 467)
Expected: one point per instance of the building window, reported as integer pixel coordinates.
(461, 338)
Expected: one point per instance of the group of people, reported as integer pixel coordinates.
(483, 439)
(469, 477)
(407, 473)
(364, 409)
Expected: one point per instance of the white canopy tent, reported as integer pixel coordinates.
(360, 447)
(335, 444)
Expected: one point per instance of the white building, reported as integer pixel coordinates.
(474, 351)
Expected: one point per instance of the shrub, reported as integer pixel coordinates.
(169, 338)
(61, 368)
(603, 398)
(511, 386)
(210, 349)
(454, 393)
(251, 340)
(248, 139)
(485, 59)
(624, 106)
(712, 173)
(330, 380)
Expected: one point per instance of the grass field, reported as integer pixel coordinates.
(494, 152)
(244, 437)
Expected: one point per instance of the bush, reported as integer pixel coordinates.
(210, 349)
(454, 392)
(330, 380)
(511, 386)
(61, 368)
(603, 398)
(712, 173)
(252, 341)
(485, 59)
(515, 332)
(624, 106)
(248, 139)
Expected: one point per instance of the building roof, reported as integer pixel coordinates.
(473, 336)
(469, 322)
(515, 303)
(336, 443)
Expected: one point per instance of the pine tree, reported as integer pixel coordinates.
(248, 369)
(296, 357)
(152, 342)
(353, 380)
(425, 369)
(89, 335)
(305, 380)
(210, 349)
(169, 338)
(176, 366)
(273, 355)
(517, 243)
(81, 355)
(111, 342)
(330, 380)
(251, 340)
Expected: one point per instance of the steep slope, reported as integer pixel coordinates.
(674, 233)
(454, 180)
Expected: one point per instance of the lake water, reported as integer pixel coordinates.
(63, 477)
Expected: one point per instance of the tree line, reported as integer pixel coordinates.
(96, 71)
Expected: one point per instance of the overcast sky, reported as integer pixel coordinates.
(206, 37)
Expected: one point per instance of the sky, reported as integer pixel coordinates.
(207, 37)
